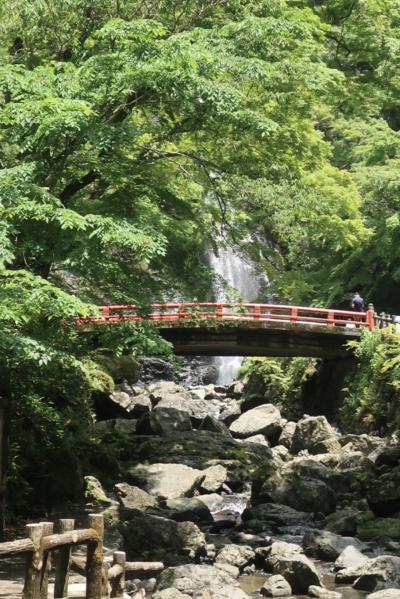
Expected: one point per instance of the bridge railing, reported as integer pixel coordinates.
(170, 312)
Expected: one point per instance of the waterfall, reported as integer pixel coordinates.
(236, 280)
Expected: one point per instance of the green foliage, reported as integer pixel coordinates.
(280, 380)
(135, 134)
(372, 393)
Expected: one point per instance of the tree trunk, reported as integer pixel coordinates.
(4, 435)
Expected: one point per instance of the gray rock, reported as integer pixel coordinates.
(164, 421)
(383, 494)
(236, 555)
(190, 509)
(310, 430)
(166, 481)
(386, 455)
(342, 522)
(380, 571)
(215, 477)
(385, 594)
(265, 420)
(276, 586)
(199, 449)
(170, 594)
(162, 537)
(325, 545)
(192, 578)
(94, 492)
(351, 557)
(228, 568)
(122, 425)
(288, 560)
(230, 411)
(213, 425)
(364, 443)
(257, 439)
(165, 389)
(373, 575)
(323, 593)
(133, 498)
(286, 436)
(299, 492)
(275, 514)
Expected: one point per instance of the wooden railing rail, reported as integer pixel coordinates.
(44, 550)
(170, 312)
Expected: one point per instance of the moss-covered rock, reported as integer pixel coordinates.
(374, 529)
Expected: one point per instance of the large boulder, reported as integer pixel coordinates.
(325, 545)
(184, 509)
(299, 492)
(385, 594)
(286, 436)
(214, 478)
(275, 515)
(383, 494)
(276, 586)
(94, 492)
(378, 572)
(265, 420)
(323, 593)
(166, 481)
(159, 537)
(133, 498)
(363, 443)
(351, 557)
(200, 449)
(209, 423)
(163, 390)
(170, 594)
(192, 579)
(287, 560)
(236, 555)
(342, 522)
(310, 430)
(164, 421)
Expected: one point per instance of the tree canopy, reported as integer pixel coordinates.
(133, 135)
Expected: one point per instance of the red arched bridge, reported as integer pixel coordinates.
(227, 329)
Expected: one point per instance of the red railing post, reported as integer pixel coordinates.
(331, 319)
(370, 317)
(181, 311)
(256, 311)
(293, 314)
(219, 311)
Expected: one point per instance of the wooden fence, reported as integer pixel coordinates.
(46, 551)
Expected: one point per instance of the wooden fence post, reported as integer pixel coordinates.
(118, 583)
(62, 560)
(94, 561)
(47, 531)
(371, 317)
(34, 563)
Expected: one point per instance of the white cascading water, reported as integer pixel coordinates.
(240, 276)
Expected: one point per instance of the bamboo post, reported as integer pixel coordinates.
(118, 582)
(94, 562)
(62, 560)
(34, 563)
(47, 531)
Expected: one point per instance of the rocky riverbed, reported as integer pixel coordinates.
(239, 502)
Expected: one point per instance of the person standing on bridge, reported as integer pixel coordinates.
(357, 303)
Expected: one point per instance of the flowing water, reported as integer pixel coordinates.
(235, 280)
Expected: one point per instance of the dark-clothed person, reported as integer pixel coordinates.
(357, 303)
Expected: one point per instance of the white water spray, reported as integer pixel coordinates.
(243, 283)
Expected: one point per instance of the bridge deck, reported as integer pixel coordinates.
(246, 329)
